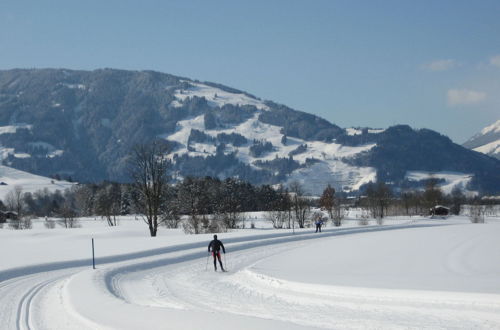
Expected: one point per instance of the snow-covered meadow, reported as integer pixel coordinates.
(11, 178)
(406, 273)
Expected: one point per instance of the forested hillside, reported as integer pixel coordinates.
(83, 124)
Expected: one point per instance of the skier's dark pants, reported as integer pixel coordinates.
(318, 228)
(217, 254)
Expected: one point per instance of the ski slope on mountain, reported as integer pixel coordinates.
(216, 97)
(446, 180)
(352, 277)
(330, 167)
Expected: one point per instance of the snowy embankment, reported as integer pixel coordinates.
(10, 178)
(411, 274)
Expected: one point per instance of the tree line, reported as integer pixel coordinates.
(210, 204)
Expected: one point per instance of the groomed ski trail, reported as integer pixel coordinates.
(170, 289)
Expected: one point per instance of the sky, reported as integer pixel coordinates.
(428, 64)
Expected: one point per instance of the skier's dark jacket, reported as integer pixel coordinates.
(216, 245)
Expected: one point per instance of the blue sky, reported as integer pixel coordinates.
(433, 64)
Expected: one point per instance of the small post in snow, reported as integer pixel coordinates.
(93, 255)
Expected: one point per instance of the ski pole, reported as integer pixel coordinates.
(206, 265)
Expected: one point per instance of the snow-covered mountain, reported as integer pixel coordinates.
(487, 141)
(259, 144)
(83, 124)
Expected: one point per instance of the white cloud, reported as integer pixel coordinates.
(457, 97)
(495, 60)
(441, 65)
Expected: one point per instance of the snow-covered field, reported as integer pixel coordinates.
(409, 273)
(10, 178)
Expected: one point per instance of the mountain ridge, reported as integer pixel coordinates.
(84, 123)
(487, 141)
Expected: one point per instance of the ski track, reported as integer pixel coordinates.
(20, 299)
(173, 281)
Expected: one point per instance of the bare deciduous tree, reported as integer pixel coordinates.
(330, 203)
(14, 202)
(170, 215)
(229, 207)
(432, 195)
(379, 196)
(276, 218)
(281, 210)
(476, 213)
(149, 171)
(68, 215)
(300, 204)
(84, 199)
(108, 203)
(327, 200)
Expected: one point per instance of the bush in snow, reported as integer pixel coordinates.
(23, 223)
(170, 213)
(192, 225)
(203, 224)
(277, 218)
(476, 213)
(214, 225)
(230, 219)
(363, 220)
(171, 220)
(49, 224)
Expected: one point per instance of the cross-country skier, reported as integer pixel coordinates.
(319, 223)
(215, 246)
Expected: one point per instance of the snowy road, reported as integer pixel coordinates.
(172, 288)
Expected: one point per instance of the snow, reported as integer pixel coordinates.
(339, 175)
(27, 181)
(22, 155)
(489, 148)
(216, 97)
(205, 148)
(11, 129)
(352, 277)
(55, 153)
(356, 131)
(373, 265)
(353, 131)
(52, 151)
(76, 86)
(331, 169)
(41, 144)
(452, 180)
(5, 152)
(493, 128)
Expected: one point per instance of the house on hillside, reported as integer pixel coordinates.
(5, 215)
(439, 211)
